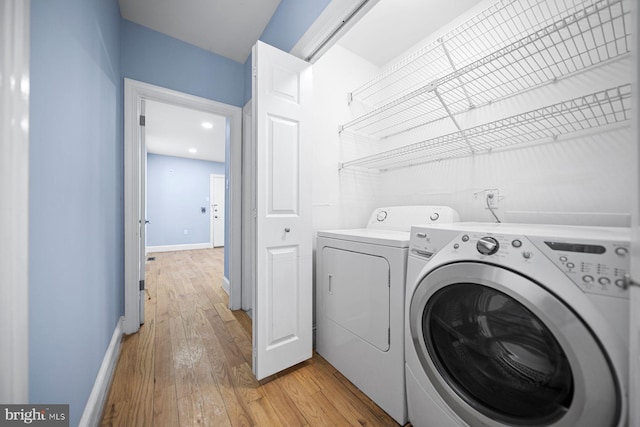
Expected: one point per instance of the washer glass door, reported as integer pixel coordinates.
(497, 353)
(502, 350)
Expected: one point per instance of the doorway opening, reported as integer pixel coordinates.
(137, 94)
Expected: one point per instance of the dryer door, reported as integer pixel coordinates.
(355, 294)
(501, 350)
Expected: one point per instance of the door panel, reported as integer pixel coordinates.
(282, 307)
(284, 179)
(282, 295)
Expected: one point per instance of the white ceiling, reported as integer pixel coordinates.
(226, 27)
(391, 27)
(172, 131)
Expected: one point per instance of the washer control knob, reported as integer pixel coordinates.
(526, 255)
(381, 216)
(487, 246)
(465, 238)
(421, 235)
(604, 281)
(621, 251)
(570, 265)
(516, 243)
(563, 258)
(620, 283)
(434, 216)
(587, 278)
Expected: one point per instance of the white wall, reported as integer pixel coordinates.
(340, 199)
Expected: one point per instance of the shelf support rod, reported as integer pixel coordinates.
(453, 119)
(454, 68)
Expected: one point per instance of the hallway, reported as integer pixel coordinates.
(190, 364)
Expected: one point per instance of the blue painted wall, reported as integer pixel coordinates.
(152, 57)
(76, 260)
(176, 190)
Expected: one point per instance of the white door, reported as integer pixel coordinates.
(282, 308)
(217, 210)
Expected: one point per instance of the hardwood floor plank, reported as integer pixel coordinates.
(348, 404)
(165, 407)
(304, 401)
(190, 363)
(232, 353)
(286, 409)
(246, 384)
(224, 312)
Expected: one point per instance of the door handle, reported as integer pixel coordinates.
(287, 229)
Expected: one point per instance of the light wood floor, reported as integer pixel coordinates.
(190, 364)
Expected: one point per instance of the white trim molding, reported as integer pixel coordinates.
(14, 193)
(226, 285)
(93, 409)
(173, 248)
(134, 93)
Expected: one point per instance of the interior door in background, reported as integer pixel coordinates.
(282, 307)
(217, 210)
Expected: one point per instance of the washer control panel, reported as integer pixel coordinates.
(597, 266)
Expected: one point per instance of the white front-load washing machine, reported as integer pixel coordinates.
(360, 290)
(521, 325)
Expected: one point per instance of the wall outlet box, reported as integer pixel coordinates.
(491, 197)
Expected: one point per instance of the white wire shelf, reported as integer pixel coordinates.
(544, 124)
(511, 47)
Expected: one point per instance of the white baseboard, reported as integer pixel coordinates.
(173, 248)
(93, 409)
(226, 285)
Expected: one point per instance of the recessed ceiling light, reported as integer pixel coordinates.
(207, 125)
(193, 150)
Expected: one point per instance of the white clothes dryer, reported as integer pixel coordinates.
(360, 290)
(517, 325)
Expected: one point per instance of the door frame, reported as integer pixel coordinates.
(248, 204)
(14, 192)
(134, 92)
(211, 214)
